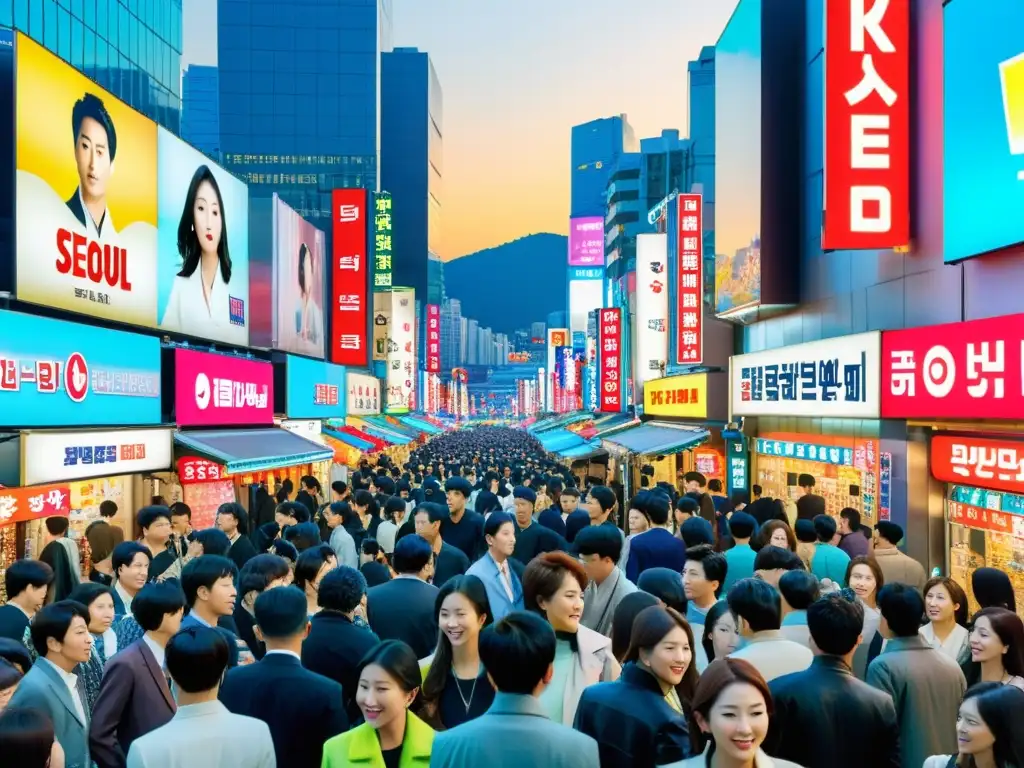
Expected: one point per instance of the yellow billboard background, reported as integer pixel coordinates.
(47, 89)
(680, 397)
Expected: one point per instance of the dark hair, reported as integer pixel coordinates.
(108, 508)
(26, 737)
(196, 658)
(339, 487)
(695, 477)
(293, 509)
(204, 571)
(902, 607)
(459, 485)
(851, 516)
(992, 588)
(56, 525)
(22, 574)
(777, 558)
(876, 571)
(544, 575)
(601, 540)
(87, 592)
(54, 620)
(284, 549)
(303, 536)
(757, 602)
(14, 652)
(1008, 627)
(956, 595)
(805, 532)
(718, 610)
(370, 547)
(471, 588)
(604, 496)
(124, 553)
(411, 554)
(258, 573)
(742, 525)
(214, 541)
(188, 238)
(156, 600)
(715, 485)
(719, 675)
(714, 563)
(366, 499)
(666, 585)
(180, 508)
(9, 675)
(999, 706)
(824, 528)
(310, 562)
(805, 480)
(799, 589)
(657, 508)
(238, 512)
(399, 661)
(92, 106)
(687, 504)
(494, 522)
(650, 627)
(891, 532)
(757, 489)
(435, 512)
(394, 505)
(341, 589)
(571, 491)
(149, 515)
(517, 652)
(696, 531)
(835, 623)
(281, 612)
(765, 533)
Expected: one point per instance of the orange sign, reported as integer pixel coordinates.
(559, 338)
(20, 505)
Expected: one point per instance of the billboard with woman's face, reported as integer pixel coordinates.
(203, 263)
(299, 250)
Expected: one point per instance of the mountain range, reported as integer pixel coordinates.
(512, 285)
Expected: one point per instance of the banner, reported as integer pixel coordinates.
(193, 470)
(401, 359)
(53, 457)
(212, 390)
(299, 250)
(382, 246)
(314, 389)
(363, 397)
(690, 288)
(651, 328)
(23, 505)
(349, 273)
(609, 345)
(682, 397)
(433, 338)
(976, 461)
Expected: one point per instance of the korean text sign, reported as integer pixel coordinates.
(969, 370)
(349, 310)
(192, 469)
(586, 241)
(826, 454)
(54, 373)
(382, 241)
(677, 396)
(363, 394)
(50, 457)
(213, 390)
(610, 359)
(433, 338)
(867, 124)
(690, 286)
(401, 361)
(984, 519)
(22, 505)
(651, 326)
(830, 378)
(314, 389)
(995, 464)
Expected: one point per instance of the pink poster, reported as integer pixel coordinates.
(217, 390)
(586, 241)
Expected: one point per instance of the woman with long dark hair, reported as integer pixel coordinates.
(455, 684)
(946, 608)
(622, 622)
(720, 635)
(309, 322)
(988, 730)
(365, 505)
(997, 644)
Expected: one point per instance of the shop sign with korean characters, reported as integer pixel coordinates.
(49, 457)
(192, 469)
(837, 378)
(609, 341)
(690, 289)
(23, 505)
(977, 461)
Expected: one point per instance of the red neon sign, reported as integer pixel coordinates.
(349, 306)
(609, 339)
(433, 338)
(690, 288)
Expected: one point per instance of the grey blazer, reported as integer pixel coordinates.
(514, 733)
(43, 689)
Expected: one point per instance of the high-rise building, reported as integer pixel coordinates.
(451, 334)
(411, 167)
(463, 340)
(537, 330)
(622, 223)
(594, 151)
(701, 112)
(300, 101)
(473, 343)
(200, 110)
(132, 49)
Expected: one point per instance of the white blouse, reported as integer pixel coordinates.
(188, 313)
(955, 645)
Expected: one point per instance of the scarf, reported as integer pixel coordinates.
(597, 603)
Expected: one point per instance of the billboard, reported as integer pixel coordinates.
(382, 242)
(586, 241)
(979, 462)
(557, 337)
(651, 326)
(678, 397)
(53, 457)
(349, 277)
(584, 297)
(690, 275)
(433, 338)
(609, 341)
(363, 398)
(54, 373)
(299, 277)
(983, 162)
(401, 357)
(314, 389)
(212, 390)
(202, 245)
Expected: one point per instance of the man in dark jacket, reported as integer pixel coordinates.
(532, 538)
(26, 582)
(656, 547)
(449, 560)
(824, 716)
(403, 608)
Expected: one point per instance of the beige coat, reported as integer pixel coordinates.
(898, 567)
(593, 664)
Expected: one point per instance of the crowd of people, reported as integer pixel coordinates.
(482, 606)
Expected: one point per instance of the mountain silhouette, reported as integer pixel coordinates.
(512, 285)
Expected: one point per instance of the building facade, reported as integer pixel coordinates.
(594, 151)
(200, 109)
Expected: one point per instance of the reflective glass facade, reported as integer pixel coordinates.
(130, 47)
(595, 150)
(200, 111)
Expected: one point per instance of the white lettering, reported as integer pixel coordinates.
(939, 372)
(859, 198)
(869, 23)
(869, 132)
(872, 82)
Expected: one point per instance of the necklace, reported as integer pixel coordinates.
(472, 691)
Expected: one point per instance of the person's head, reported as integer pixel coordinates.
(888, 534)
(657, 508)
(599, 548)
(26, 582)
(394, 509)
(666, 585)
(212, 541)
(998, 634)
(849, 520)
(686, 507)
(824, 528)
(208, 582)
(902, 607)
(181, 519)
(282, 617)
(202, 228)
(427, 518)
(835, 624)
(457, 490)
(57, 527)
(715, 486)
(261, 573)
(284, 549)
(197, 657)
(304, 536)
(756, 491)
(27, 739)
(342, 589)
(60, 632)
(757, 604)
(462, 611)
(806, 482)
(525, 501)
(696, 531)
(500, 535)
(290, 513)
(130, 563)
(232, 519)
(339, 489)
(704, 573)
(741, 526)
(721, 633)
(10, 677)
(99, 600)
(945, 600)
(992, 588)
(865, 578)
(311, 567)
(626, 611)
(600, 503)
(412, 556)
(568, 500)
(95, 146)
(988, 725)
(155, 524)
(777, 533)
(694, 482)
(661, 641)
(799, 589)
(389, 682)
(369, 551)
(730, 708)
(804, 532)
(14, 652)
(159, 608)
(108, 509)
(553, 585)
(518, 653)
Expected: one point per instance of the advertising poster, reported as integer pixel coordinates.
(349, 307)
(87, 194)
(299, 250)
(363, 395)
(382, 241)
(52, 457)
(586, 241)
(433, 338)
(202, 245)
(401, 359)
(213, 390)
(584, 297)
(314, 389)
(651, 307)
(610, 360)
(381, 324)
(690, 290)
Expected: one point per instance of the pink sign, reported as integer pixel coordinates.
(586, 242)
(217, 390)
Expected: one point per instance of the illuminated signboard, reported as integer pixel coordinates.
(382, 250)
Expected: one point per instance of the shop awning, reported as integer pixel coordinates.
(563, 421)
(559, 440)
(253, 450)
(386, 433)
(654, 438)
(349, 440)
(421, 424)
(584, 451)
(392, 424)
(611, 422)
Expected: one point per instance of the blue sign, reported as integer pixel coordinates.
(826, 454)
(314, 389)
(59, 374)
(984, 127)
(738, 468)
(586, 273)
(994, 500)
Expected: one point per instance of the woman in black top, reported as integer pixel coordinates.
(366, 505)
(455, 684)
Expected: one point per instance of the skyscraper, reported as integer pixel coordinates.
(200, 110)
(594, 151)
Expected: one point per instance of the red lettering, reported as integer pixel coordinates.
(96, 262)
(64, 262)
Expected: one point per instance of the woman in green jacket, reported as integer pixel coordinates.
(391, 736)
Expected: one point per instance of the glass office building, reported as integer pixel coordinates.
(200, 110)
(595, 150)
(130, 47)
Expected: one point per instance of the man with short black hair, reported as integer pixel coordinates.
(896, 566)
(518, 653)
(290, 513)
(925, 684)
(463, 528)
(61, 554)
(772, 562)
(830, 562)
(532, 538)
(597, 509)
(799, 589)
(740, 558)
(208, 582)
(340, 491)
(155, 523)
(26, 582)
(851, 539)
(131, 563)
(809, 505)
(256, 690)
(500, 572)
(95, 142)
(403, 608)
(449, 560)
(756, 491)
(656, 547)
(825, 717)
(599, 548)
(695, 483)
(758, 608)
(233, 520)
(703, 578)
(181, 526)
(568, 501)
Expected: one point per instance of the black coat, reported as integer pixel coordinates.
(826, 718)
(13, 623)
(245, 623)
(55, 556)
(403, 609)
(450, 561)
(242, 551)
(299, 724)
(334, 648)
(632, 723)
(536, 540)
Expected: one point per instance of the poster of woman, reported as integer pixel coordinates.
(298, 283)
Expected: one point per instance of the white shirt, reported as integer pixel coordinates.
(125, 597)
(773, 655)
(71, 681)
(106, 225)
(954, 644)
(109, 639)
(284, 652)
(159, 653)
(188, 312)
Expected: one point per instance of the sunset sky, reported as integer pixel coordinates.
(516, 77)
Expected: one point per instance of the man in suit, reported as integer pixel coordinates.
(656, 547)
(26, 582)
(518, 653)
(299, 732)
(95, 149)
(202, 732)
(449, 560)
(208, 582)
(234, 522)
(463, 527)
(403, 608)
(60, 633)
(599, 548)
(501, 573)
(130, 563)
(134, 697)
(532, 538)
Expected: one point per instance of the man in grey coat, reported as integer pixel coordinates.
(518, 653)
(600, 547)
(926, 685)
